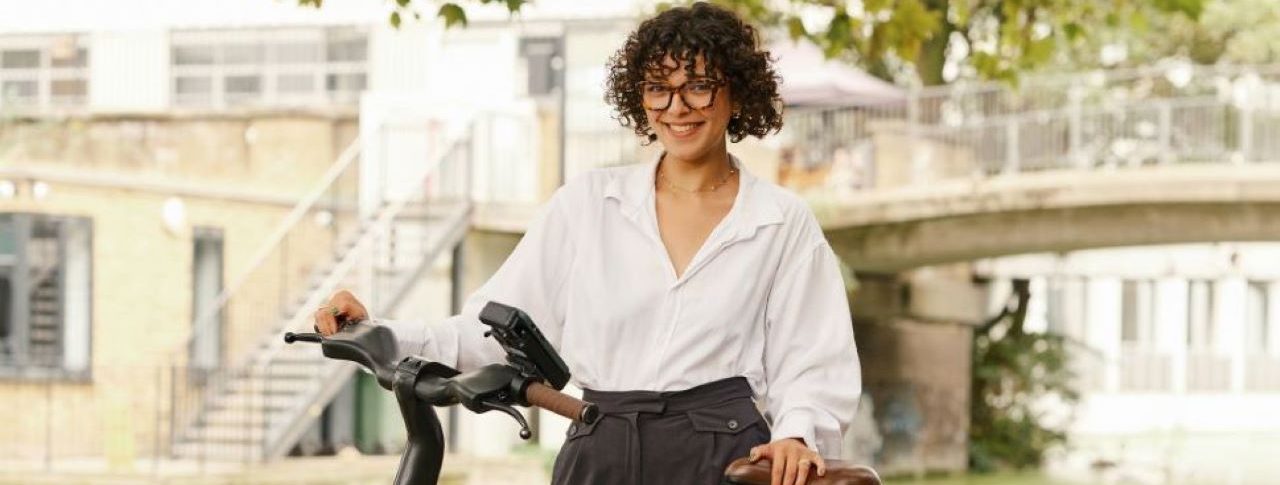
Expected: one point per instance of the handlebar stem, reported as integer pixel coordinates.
(424, 451)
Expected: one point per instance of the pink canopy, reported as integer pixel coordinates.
(809, 79)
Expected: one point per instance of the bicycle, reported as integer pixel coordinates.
(533, 376)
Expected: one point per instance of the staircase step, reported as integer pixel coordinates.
(274, 387)
(309, 357)
(269, 400)
(226, 434)
(242, 417)
(293, 370)
(254, 402)
(43, 335)
(217, 452)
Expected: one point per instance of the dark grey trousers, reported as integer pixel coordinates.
(662, 438)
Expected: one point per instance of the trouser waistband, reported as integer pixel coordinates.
(701, 396)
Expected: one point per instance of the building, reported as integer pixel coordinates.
(1175, 349)
(175, 174)
(179, 180)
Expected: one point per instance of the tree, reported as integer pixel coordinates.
(929, 41)
(937, 41)
(1237, 31)
(1014, 373)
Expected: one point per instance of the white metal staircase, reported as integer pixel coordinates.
(257, 407)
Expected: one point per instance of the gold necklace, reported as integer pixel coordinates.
(723, 180)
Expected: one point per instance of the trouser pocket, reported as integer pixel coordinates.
(728, 431)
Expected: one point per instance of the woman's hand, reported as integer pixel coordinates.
(792, 461)
(343, 308)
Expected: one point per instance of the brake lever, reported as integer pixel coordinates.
(524, 425)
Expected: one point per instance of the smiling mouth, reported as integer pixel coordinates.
(681, 130)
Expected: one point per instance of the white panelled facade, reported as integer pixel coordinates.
(129, 71)
(1170, 338)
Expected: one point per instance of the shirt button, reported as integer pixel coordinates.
(733, 424)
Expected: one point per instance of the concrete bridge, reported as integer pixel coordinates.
(1157, 155)
(955, 221)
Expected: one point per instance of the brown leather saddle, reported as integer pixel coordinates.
(743, 472)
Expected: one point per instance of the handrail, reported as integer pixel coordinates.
(348, 156)
(303, 313)
(275, 444)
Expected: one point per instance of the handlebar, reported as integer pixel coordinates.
(491, 388)
(419, 385)
(545, 397)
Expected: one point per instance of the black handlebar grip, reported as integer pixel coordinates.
(545, 397)
(290, 337)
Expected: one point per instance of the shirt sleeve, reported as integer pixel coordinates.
(813, 380)
(532, 279)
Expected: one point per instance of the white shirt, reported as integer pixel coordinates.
(763, 298)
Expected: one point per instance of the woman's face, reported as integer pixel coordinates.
(687, 132)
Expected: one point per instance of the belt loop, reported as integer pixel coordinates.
(633, 447)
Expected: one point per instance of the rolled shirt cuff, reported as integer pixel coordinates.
(796, 423)
(820, 431)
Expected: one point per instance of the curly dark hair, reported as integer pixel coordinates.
(731, 51)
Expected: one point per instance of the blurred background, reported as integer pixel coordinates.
(1059, 221)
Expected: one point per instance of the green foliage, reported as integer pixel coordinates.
(1236, 31)
(938, 41)
(452, 13)
(909, 40)
(1014, 371)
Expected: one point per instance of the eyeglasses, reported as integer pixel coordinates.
(696, 94)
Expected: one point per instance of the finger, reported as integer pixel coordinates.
(789, 477)
(325, 322)
(349, 307)
(802, 472)
(778, 467)
(821, 464)
(757, 453)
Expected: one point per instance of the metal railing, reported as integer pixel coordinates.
(285, 268)
(1262, 373)
(1175, 113)
(1147, 370)
(1208, 371)
(259, 403)
(121, 426)
(1143, 369)
(404, 240)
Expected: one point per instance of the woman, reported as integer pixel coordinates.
(680, 290)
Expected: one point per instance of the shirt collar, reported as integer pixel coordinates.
(633, 189)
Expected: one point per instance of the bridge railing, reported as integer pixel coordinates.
(1170, 113)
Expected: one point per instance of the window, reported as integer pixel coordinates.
(1200, 303)
(1066, 306)
(206, 284)
(44, 293)
(544, 64)
(293, 67)
(44, 71)
(1256, 315)
(1137, 307)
